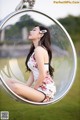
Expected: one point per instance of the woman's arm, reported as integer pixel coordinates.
(30, 80)
(39, 56)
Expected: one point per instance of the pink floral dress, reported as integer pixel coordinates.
(48, 87)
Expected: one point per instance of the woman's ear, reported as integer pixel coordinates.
(41, 35)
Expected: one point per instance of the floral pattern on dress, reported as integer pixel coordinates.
(47, 80)
(34, 60)
(48, 86)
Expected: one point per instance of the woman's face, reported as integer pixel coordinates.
(35, 34)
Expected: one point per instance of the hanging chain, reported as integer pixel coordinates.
(25, 4)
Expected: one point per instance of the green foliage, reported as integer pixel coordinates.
(14, 33)
(72, 25)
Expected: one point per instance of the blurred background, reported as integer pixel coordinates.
(14, 44)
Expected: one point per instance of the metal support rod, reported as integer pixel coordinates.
(25, 4)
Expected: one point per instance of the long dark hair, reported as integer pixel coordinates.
(44, 42)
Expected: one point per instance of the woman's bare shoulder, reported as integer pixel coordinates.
(40, 49)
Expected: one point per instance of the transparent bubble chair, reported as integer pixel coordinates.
(14, 47)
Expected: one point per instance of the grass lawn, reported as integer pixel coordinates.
(66, 109)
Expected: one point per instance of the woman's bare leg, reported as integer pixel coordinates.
(28, 92)
(12, 80)
(23, 90)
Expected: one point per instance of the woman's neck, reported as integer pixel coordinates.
(36, 43)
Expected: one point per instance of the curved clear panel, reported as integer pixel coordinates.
(14, 47)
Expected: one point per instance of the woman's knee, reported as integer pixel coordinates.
(16, 88)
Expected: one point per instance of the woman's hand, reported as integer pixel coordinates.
(47, 99)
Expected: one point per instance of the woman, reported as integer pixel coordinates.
(38, 63)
